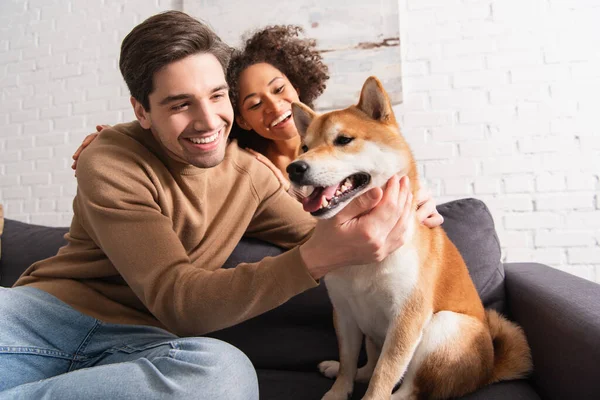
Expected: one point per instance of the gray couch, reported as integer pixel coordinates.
(560, 314)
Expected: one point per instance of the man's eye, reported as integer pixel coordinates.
(304, 148)
(219, 96)
(180, 107)
(342, 140)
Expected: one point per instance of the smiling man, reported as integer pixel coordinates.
(161, 204)
(189, 115)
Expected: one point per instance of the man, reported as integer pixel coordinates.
(161, 203)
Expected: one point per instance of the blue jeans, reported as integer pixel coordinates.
(49, 350)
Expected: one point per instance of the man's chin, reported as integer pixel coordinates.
(208, 159)
(206, 162)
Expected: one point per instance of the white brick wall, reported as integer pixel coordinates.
(58, 79)
(500, 103)
(517, 84)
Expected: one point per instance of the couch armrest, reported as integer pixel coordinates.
(560, 314)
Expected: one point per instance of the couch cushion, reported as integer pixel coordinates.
(23, 244)
(293, 385)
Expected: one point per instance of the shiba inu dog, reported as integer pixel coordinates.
(418, 309)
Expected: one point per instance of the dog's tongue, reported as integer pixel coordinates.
(313, 202)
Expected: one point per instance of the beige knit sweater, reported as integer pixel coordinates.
(149, 236)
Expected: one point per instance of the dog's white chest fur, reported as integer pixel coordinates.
(374, 294)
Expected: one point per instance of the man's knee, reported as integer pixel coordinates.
(8, 299)
(239, 370)
(229, 372)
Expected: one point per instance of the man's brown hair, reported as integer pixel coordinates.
(160, 40)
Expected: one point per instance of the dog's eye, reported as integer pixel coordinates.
(342, 140)
(304, 148)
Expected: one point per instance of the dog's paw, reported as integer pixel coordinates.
(329, 368)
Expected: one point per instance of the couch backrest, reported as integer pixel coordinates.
(470, 226)
(23, 244)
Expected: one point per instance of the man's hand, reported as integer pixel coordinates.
(370, 228)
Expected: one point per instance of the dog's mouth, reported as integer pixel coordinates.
(323, 199)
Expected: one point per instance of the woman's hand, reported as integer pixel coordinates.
(263, 159)
(86, 142)
(426, 211)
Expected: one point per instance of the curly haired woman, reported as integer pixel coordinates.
(275, 68)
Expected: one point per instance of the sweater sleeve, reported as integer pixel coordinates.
(118, 205)
(279, 217)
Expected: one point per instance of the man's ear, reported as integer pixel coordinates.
(140, 113)
(303, 116)
(242, 123)
(374, 101)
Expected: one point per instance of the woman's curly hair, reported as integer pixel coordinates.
(282, 47)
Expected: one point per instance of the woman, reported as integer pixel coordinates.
(275, 68)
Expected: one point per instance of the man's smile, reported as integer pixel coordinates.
(205, 142)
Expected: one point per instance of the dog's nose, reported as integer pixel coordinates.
(296, 171)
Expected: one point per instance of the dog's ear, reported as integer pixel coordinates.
(303, 116)
(374, 101)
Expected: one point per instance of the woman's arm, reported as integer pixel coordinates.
(426, 209)
(86, 142)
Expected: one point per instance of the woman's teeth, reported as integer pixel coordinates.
(281, 118)
(205, 140)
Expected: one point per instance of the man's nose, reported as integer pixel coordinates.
(206, 119)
